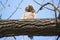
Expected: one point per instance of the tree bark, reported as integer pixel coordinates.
(34, 27)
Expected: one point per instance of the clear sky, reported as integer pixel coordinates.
(11, 5)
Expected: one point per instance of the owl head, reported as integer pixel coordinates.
(29, 8)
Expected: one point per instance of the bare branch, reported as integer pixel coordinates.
(47, 4)
(41, 5)
(14, 37)
(30, 36)
(49, 8)
(52, 4)
(25, 27)
(2, 4)
(15, 10)
(58, 37)
(37, 2)
(54, 10)
(59, 13)
(46, 8)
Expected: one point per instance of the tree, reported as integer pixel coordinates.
(56, 9)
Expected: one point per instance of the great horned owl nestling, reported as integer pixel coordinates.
(29, 12)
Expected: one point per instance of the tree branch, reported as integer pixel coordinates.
(58, 37)
(2, 4)
(32, 27)
(41, 5)
(15, 10)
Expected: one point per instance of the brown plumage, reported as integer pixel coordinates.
(29, 12)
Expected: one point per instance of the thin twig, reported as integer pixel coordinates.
(59, 14)
(15, 10)
(46, 7)
(37, 2)
(47, 4)
(57, 37)
(30, 36)
(14, 37)
(41, 5)
(2, 4)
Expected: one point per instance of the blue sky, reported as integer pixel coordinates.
(27, 38)
(11, 5)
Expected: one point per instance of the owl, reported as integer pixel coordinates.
(29, 12)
